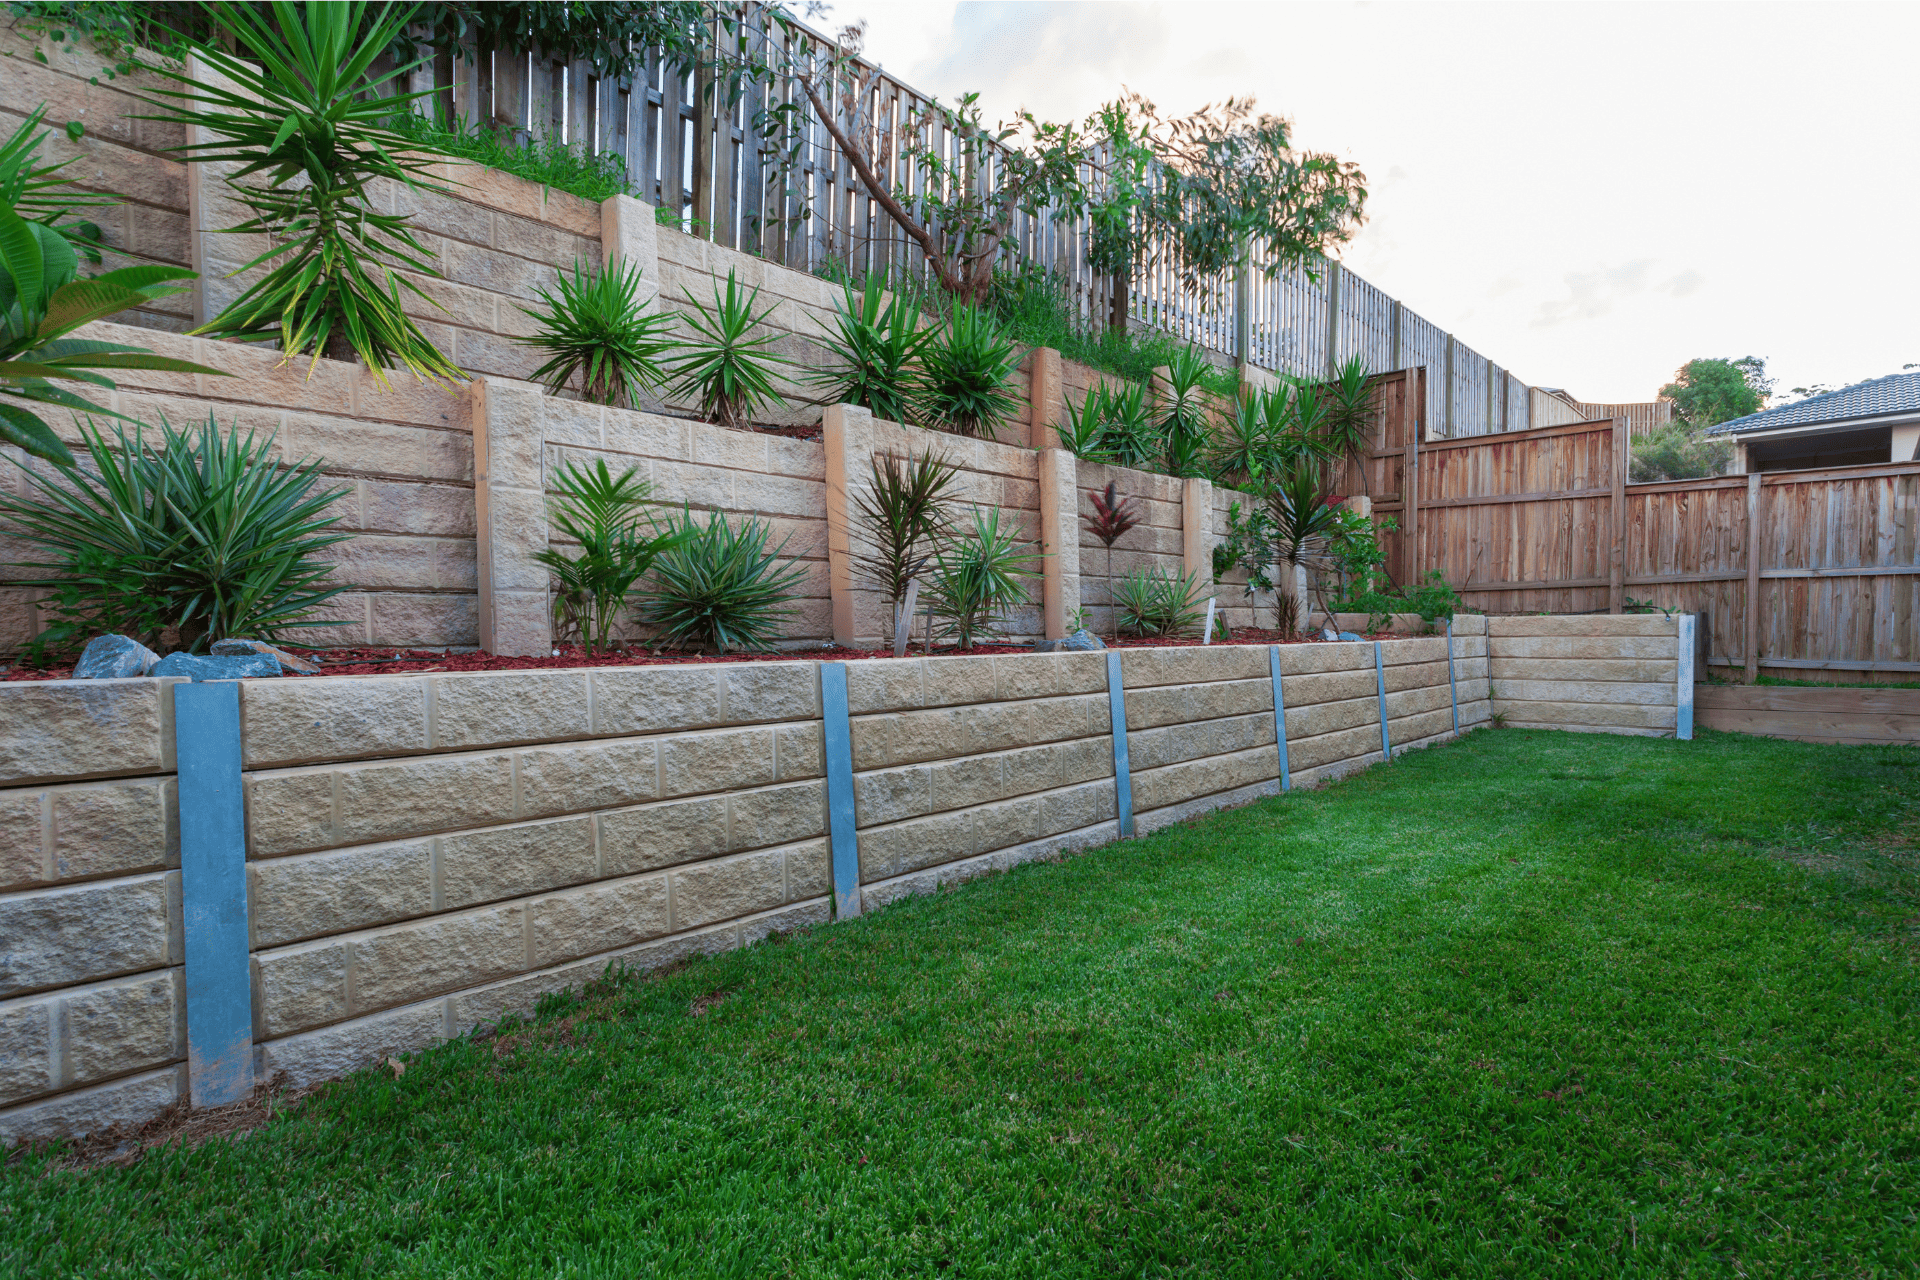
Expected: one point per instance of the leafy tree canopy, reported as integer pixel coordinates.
(1714, 390)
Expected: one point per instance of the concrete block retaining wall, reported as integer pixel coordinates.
(427, 853)
(1596, 673)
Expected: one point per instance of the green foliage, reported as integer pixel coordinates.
(1115, 425)
(1084, 433)
(1154, 602)
(720, 586)
(1346, 425)
(1709, 391)
(903, 514)
(1248, 545)
(979, 574)
(1186, 413)
(1679, 450)
(1038, 311)
(551, 163)
(306, 112)
(1354, 548)
(1431, 598)
(877, 342)
(617, 544)
(594, 328)
(200, 533)
(118, 30)
(724, 364)
(965, 375)
(1303, 523)
(40, 304)
(33, 189)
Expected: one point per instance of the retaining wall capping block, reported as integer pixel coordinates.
(213, 891)
(1279, 716)
(1117, 713)
(845, 840)
(1683, 679)
(57, 730)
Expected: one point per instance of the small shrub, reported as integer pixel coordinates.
(1084, 433)
(965, 370)
(602, 513)
(1184, 415)
(1112, 517)
(201, 534)
(594, 327)
(725, 366)
(1154, 602)
(1678, 451)
(877, 342)
(979, 576)
(904, 515)
(721, 587)
(1431, 598)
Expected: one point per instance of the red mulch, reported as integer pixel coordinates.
(387, 660)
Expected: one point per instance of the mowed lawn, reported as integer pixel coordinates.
(1530, 1004)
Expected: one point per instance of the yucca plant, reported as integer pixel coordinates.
(1084, 433)
(603, 514)
(30, 188)
(904, 515)
(1113, 515)
(980, 575)
(1302, 520)
(965, 371)
(876, 342)
(721, 587)
(1184, 411)
(1348, 402)
(306, 112)
(725, 365)
(594, 327)
(201, 533)
(1243, 447)
(1154, 602)
(1133, 437)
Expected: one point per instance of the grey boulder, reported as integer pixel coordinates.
(224, 667)
(241, 648)
(1079, 642)
(1348, 635)
(113, 657)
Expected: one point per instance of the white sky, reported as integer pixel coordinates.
(1590, 195)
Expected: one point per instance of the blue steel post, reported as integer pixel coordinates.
(213, 892)
(1122, 775)
(838, 727)
(1683, 679)
(1279, 716)
(1453, 686)
(1380, 683)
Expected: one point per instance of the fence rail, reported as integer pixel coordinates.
(792, 198)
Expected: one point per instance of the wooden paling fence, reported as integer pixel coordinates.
(788, 194)
(1794, 573)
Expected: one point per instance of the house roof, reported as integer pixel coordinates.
(1895, 393)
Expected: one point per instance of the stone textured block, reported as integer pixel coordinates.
(772, 691)
(591, 775)
(57, 729)
(892, 795)
(336, 1050)
(108, 828)
(1590, 648)
(57, 937)
(1185, 704)
(504, 862)
(429, 793)
(87, 1111)
(1593, 624)
(661, 835)
(290, 812)
(1156, 788)
(886, 685)
(443, 953)
(799, 751)
(27, 1060)
(910, 846)
(776, 815)
(725, 888)
(717, 760)
(309, 896)
(1652, 694)
(120, 1027)
(340, 718)
(476, 710)
(809, 870)
(654, 699)
(25, 819)
(600, 917)
(300, 987)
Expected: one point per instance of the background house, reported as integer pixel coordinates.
(1877, 421)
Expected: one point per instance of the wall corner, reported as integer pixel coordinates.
(510, 514)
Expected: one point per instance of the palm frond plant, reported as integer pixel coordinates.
(603, 514)
(1084, 433)
(301, 107)
(199, 533)
(1113, 515)
(1243, 448)
(1349, 414)
(41, 302)
(903, 514)
(721, 587)
(725, 365)
(1154, 602)
(1186, 454)
(876, 342)
(30, 188)
(980, 575)
(594, 327)
(1303, 520)
(965, 372)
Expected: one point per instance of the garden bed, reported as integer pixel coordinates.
(381, 660)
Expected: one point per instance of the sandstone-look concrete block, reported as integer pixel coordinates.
(886, 685)
(1047, 675)
(88, 1111)
(1143, 668)
(57, 729)
(26, 820)
(1314, 659)
(1542, 671)
(716, 760)
(1597, 624)
(653, 699)
(1156, 788)
(1170, 744)
(1586, 648)
(1654, 693)
(104, 828)
(27, 1059)
(776, 815)
(892, 795)
(340, 718)
(909, 846)
(504, 862)
(599, 917)
(661, 835)
(880, 741)
(724, 888)
(809, 867)
(760, 691)
(291, 899)
(300, 987)
(1585, 715)
(1331, 717)
(1425, 649)
(799, 751)
(959, 681)
(290, 812)
(60, 936)
(431, 793)
(1186, 704)
(1330, 686)
(487, 709)
(443, 953)
(591, 775)
(1358, 744)
(336, 1050)
(120, 1027)
(510, 507)
(1417, 675)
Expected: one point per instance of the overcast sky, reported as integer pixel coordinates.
(1588, 194)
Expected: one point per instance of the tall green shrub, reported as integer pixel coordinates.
(721, 586)
(965, 372)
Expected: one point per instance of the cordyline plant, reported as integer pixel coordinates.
(1112, 517)
(904, 514)
(304, 112)
(1302, 521)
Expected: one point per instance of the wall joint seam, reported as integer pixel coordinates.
(1380, 687)
(1453, 686)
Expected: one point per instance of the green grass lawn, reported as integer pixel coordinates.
(1531, 1004)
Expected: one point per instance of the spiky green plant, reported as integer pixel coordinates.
(202, 533)
(30, 188)
(965, 375)
(721, 587)
(876, 342)
(980, 575)
(1302, 521)
(617, 543)
(725, 365)
(1348, 398)
(595, 327)
(1084, 433)
(306, 111)
(903, 514)
(1184, 410)
(1243, 447)
(1154, 602)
